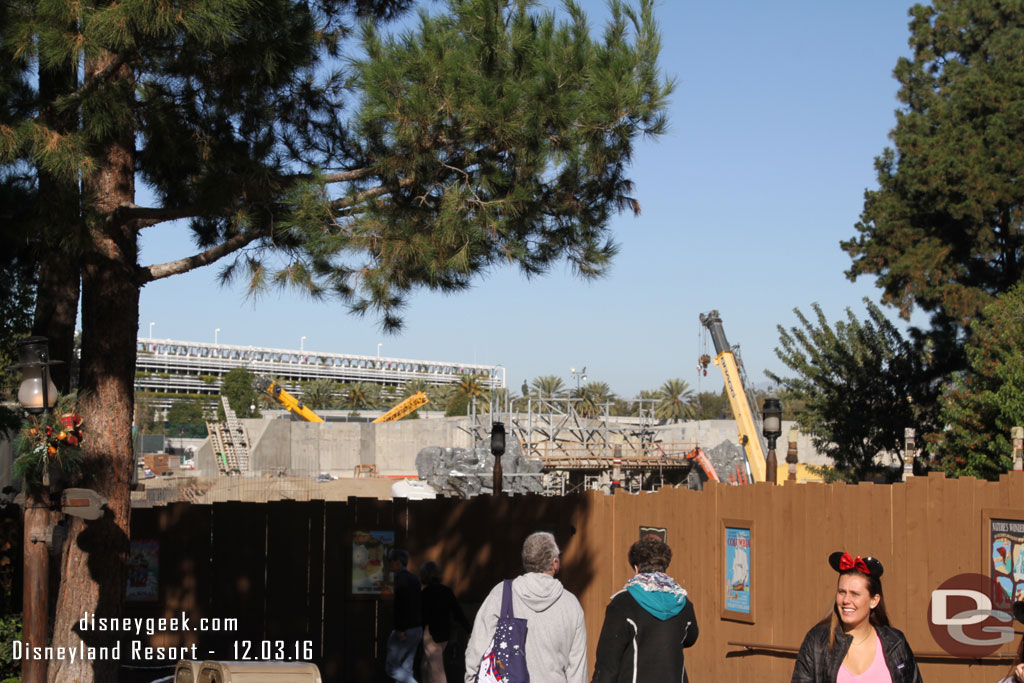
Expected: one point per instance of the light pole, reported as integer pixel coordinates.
(36, 394)
(771, 413)
(151, 331)
(302, 344)
(497, 450)
(578, 376)
(379, 344)
(216, 332)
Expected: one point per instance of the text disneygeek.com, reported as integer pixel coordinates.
(139, 650)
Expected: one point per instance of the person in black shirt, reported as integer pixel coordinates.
(408, 626)
(439, 606)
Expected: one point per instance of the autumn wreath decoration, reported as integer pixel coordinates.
(50, 441)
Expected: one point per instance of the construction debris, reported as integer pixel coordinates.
(466, 472)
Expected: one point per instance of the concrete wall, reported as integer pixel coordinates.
(337, 447)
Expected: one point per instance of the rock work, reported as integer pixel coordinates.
(465, 472)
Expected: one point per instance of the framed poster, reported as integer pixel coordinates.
(143, 571)
(737, 579)
(1003, 555)
(370, 575)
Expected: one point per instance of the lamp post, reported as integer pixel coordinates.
(36, 394)
(302, 344)
(909, 451)
(578, 376)
(379, 344)
(771, 414)
(216, 332)
(497, 450)
(151, 331)
(1017, 435)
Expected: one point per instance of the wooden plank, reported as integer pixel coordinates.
(238, 534)
(289, 593)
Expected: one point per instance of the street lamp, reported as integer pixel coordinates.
(302, 344)
(215, 333)
(151, 331)
(771, 414)
(497, 450)
(379, 344)
(578, 376)
(36, 393)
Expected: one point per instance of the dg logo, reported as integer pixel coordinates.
(970, 615)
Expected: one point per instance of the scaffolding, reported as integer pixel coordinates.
(582, 446)
(230, 442)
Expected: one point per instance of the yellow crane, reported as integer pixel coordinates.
(732, 372)
(404, 408)
(276, 392)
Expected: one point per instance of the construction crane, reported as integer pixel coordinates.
(404, 408)
(744, 411)
(276, 392)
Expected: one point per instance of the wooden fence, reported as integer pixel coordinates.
(284, 569)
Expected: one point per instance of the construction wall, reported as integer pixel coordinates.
(284, 569)
(337, 447)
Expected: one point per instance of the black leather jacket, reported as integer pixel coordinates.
(816, 664)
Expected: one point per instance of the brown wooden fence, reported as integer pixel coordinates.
(284, 569)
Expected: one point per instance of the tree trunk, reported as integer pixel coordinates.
(93, 566)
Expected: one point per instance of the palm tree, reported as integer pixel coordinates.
(471, 386)
(674, 400)
(592, 397)
(547, 386)
(357, 397)
(645, 400)
(414, 386)
(320, 394)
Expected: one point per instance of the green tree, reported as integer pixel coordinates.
(592, 398)
(943, 231)
(862, 384)
(547, 386)
(675, 399)
(358, 396)
(237, 387)
(709, 405)
(982, 403)
(320, 394)
(489, 134)
(145, 412)
(186, 413)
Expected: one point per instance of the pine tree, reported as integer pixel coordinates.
(491, 134)
(943, 231)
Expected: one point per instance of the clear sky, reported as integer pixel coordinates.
(778, 113)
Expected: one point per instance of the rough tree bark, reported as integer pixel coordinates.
(96, 552)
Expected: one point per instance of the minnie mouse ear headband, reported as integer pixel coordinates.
(844, 562)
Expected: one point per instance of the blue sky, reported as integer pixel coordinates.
(778, 113)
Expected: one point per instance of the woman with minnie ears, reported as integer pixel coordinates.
(1016, 672)
(855, 642)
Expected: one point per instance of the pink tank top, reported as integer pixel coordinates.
(878, 672)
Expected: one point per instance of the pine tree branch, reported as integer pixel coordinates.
(203, 258)
(343, 176)
(102, 76)
(346, 202)
(148, 216)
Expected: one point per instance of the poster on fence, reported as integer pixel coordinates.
(143, 571)
(369, 562)
(1004, 555)
(738, 579)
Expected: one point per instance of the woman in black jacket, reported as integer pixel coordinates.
(647, 624)
(855, 639)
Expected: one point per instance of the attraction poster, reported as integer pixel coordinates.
(370, 575)
(1006, 557)
(143, 570)
(737, 570)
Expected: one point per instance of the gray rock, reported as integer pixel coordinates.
(467, 472)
